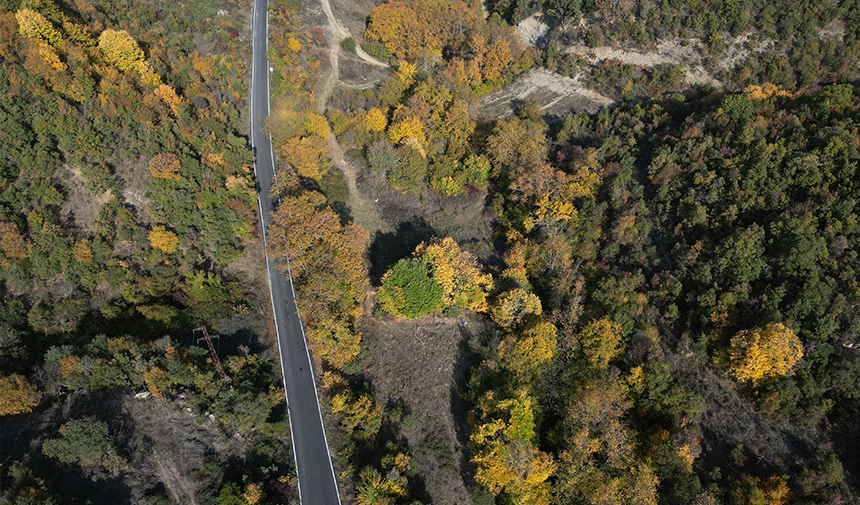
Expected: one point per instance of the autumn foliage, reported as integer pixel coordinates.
(504, 451)
(325, 257)
(419, 30)
(165, 166)
(17, 396)
(120, 48)
(33, 25)
(458, 272)
(13, 245)
(164, 240)
(763, 353)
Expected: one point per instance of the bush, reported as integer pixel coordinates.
(348, 44)
(409, 289)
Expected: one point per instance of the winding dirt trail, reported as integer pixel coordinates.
(338, 33)
(364, 211)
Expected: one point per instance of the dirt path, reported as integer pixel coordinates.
(340, 32)
(667, 52)
(364, 211)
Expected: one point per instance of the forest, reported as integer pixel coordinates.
(128, 217)
(670, 284)
(653, 303)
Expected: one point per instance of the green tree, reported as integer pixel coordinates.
(86, 442)
(410, 290)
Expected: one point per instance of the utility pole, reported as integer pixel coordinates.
(208, 338)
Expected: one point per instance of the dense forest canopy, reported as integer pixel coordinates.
(128, 218)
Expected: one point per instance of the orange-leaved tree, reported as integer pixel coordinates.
(17, 396)
(165, 166)
(763, 353)
(13, 245)
(419, 30)
(326, 257)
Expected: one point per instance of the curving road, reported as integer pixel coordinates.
(317, 482)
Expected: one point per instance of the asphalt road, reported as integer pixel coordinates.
(317, 483)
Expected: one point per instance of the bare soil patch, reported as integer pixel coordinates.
(81, 207)
(170, 449)
(410, 219)
(134, 175)
(353, 15)
(673, 51)
(420, 366)
(533, 29)
(357, 74)
(557, 95)
(834, 29)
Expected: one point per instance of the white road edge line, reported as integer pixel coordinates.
(263, 233)
(265, 247)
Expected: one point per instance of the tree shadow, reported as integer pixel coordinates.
(391, 432)
(460, 406)
(388, 248)
(79, 484)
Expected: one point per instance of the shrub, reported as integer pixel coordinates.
(409, 289)
(348, 44)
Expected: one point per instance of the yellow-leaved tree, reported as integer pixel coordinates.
(515, 305)
(763, 353)
(458, 273)
(164, 240)
(333, 341)
(504, 450)
(600, 465)
(375, 120)
(33, 25)
(169, 96)
(17, 396)
(120, 48)
(359, 414)
(524, 354)
(600, 341)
